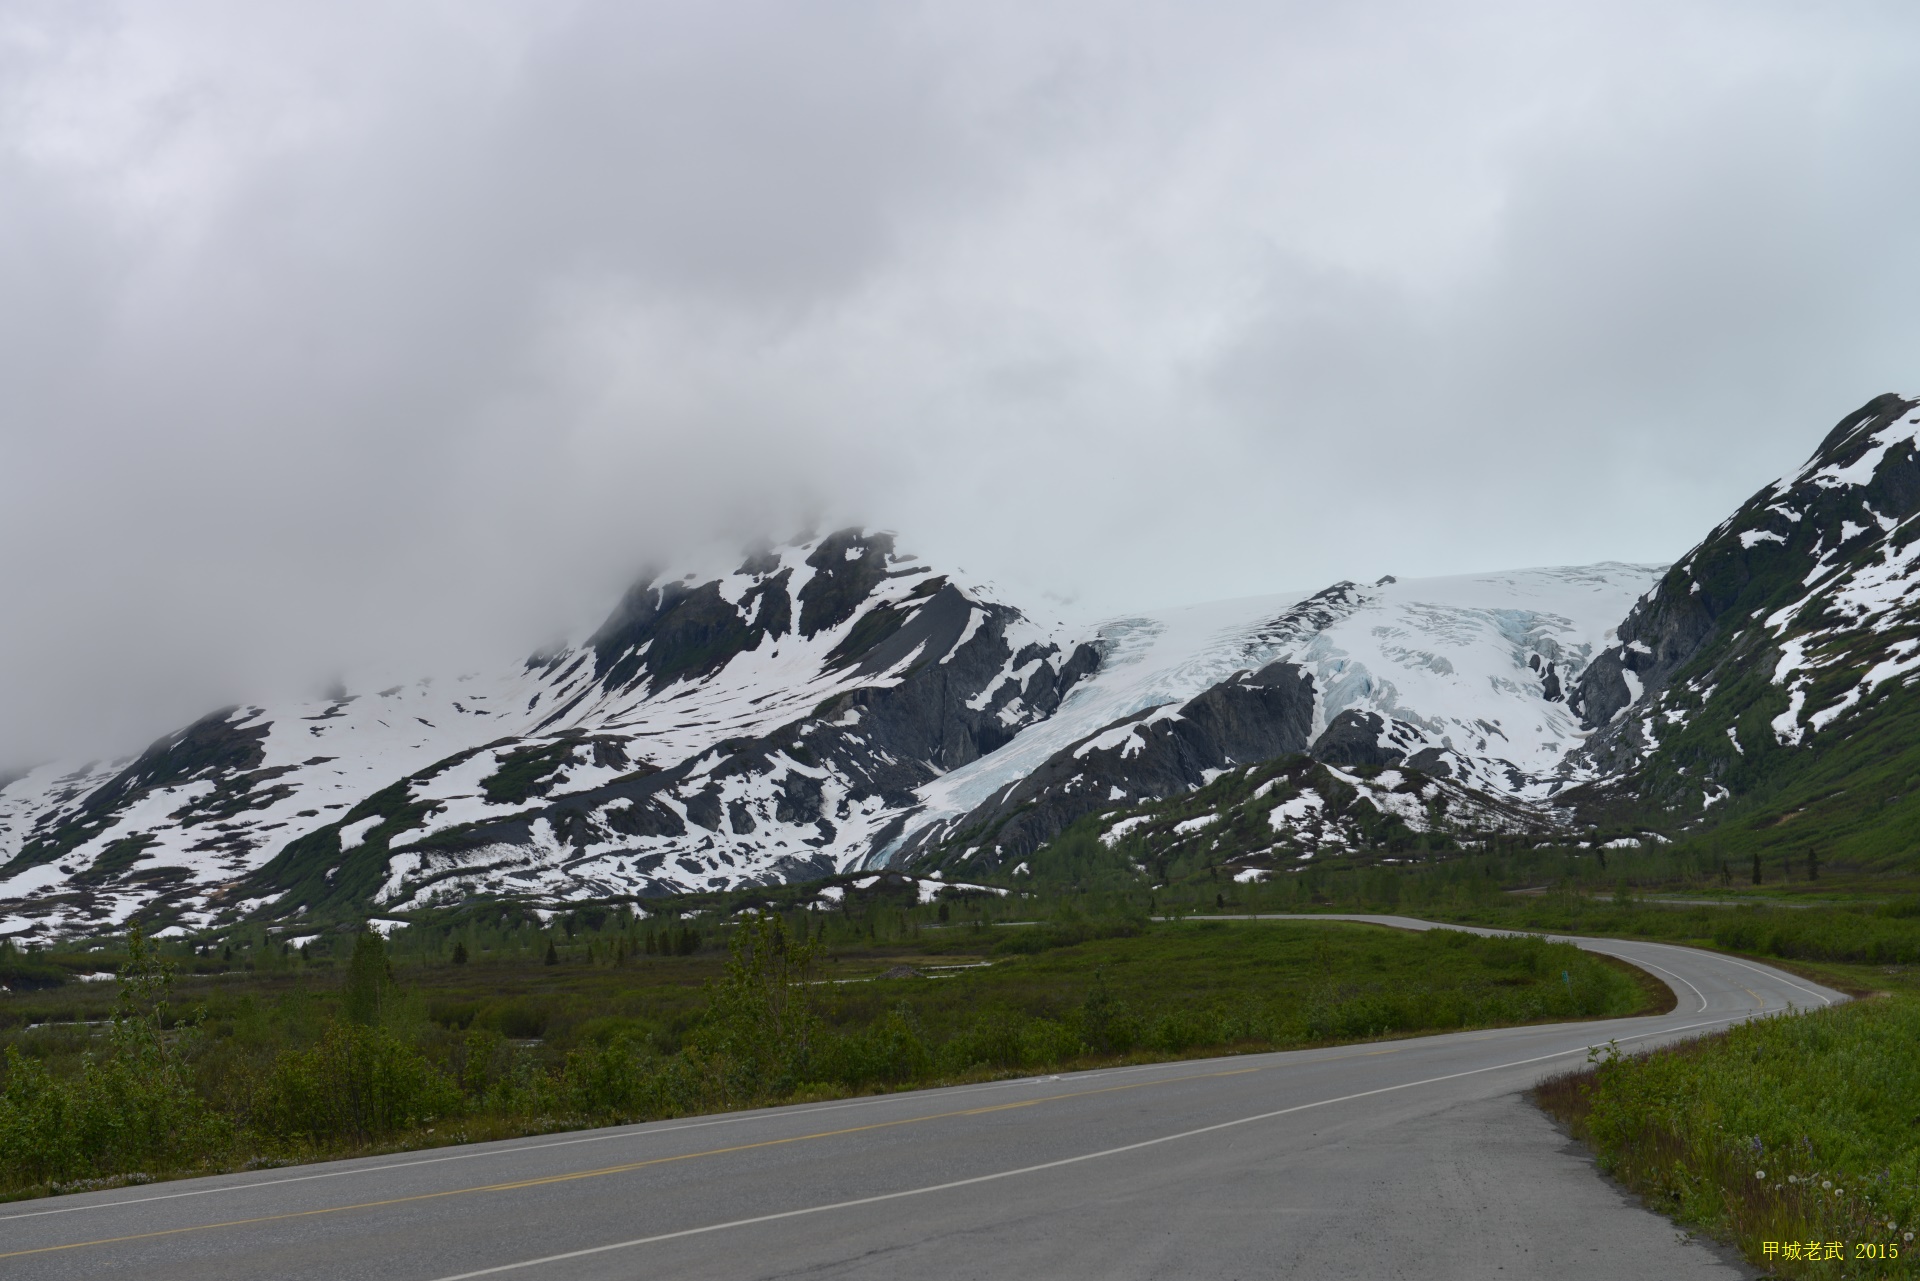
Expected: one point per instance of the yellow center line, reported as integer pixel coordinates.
(628, 1166)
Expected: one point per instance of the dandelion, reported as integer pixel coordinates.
(1826, 1183)
(1892, 1226)
(1793, 1178)
(1760, 1174)
(1909, 1236)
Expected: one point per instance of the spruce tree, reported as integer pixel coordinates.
(367, 979)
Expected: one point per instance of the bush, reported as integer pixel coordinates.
(356, 1084)
(891, 1051)
(1008, 1040)
(621, 1078)
(1890, 937)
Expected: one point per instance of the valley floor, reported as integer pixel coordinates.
(1405, 1157)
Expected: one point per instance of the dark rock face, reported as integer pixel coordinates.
(670, 631)
(1432, 761)
(849, 565)
(213, 745)
(1354, 738)
(673, 632)
(1248, 719)
(1550, 685)
(1241, 721)
(703, 808)
(799, 799)
(1714, 621)
(1602, 691)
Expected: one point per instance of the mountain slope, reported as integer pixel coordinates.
(1776, 661)
(764, 724)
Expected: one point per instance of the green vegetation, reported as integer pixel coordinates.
(1851, 795)
(526, 770)
(350, 1044)
(130, 1105)
(1789, 1129)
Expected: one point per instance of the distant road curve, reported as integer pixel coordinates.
(1409, 1158)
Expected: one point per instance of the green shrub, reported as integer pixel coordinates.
(620, 1078)
(356, 1084)
(891, 1051)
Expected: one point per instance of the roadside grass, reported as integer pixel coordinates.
(158, 1077)
(1774, 1135)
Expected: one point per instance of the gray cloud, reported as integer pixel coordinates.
(383, 338)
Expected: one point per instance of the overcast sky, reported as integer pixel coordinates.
(386, 336)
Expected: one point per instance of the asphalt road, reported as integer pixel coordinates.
(1412, 1158)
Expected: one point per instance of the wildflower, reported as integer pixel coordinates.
(1793, 1178)
(1760, 1174)
(1909, 1236)
(1826, 1183)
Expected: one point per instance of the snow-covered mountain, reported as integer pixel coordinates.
(773, 723)
(826, 707)
(837, 705)
(1463, 678)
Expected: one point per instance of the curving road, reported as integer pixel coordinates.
(1413, 1158)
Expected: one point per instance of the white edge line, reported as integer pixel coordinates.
(1770, 972)
(1649, 965)
(1046, 1165)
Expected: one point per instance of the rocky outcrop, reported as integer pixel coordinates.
(1355, 737)
(1158, 753)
